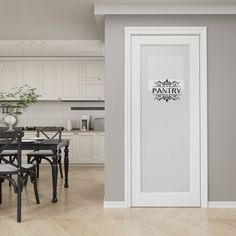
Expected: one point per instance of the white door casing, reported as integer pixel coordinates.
(196, 39)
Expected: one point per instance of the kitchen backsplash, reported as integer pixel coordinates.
(57, 113)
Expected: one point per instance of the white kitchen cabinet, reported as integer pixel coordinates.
(31, 74)
(85, 147)
(56, 79)
(11, 76)
(93, 90)
(90, 147)
(49, 80)
(98, 148)
(71, 80)
(93, 80)
(94, 70)
(44, 76)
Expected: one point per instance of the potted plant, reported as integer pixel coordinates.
(15, 102)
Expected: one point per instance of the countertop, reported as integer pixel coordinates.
(80, 131)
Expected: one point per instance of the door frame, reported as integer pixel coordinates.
(201, 32)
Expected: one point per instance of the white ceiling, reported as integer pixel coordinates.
(61, 20)
(46, 10)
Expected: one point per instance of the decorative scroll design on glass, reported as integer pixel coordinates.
(167, 90)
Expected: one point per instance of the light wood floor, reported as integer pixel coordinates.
(79, 211)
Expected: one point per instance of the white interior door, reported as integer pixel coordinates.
(165, 120)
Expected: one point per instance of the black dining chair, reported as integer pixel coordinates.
(39, 155)
(8, 141)
(10, 154)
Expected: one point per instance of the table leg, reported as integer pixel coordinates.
(66, 166)
(54, 176)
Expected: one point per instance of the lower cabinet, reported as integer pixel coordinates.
(89, 147)
(84, 147)
(98, 147)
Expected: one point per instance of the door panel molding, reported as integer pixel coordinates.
(201, 32)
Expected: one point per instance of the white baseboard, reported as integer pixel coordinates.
(222, 204)
(114, 204)
(218, 204)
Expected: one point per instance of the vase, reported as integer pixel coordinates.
(10, 121)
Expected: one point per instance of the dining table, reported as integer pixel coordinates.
(55, 145)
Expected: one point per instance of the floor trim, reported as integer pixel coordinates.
(222, 204)
(218, 204)
(115, 204)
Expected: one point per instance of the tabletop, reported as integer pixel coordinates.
(45, 144)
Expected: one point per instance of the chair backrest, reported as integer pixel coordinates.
(57, 132)
(8, 138)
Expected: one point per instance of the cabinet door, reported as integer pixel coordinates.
(49, 80)
(31, 74)
(98, 148)
(71, 80)
(10, 76)
(93, 90)
(85, 148)
(94, 70)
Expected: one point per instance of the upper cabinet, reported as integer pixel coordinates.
(93, 80)
(49, 80)
(94, 70)
(71, 80)
(10, 76)
(42, 75)
(56, 79)
(31, 74)
(93, 90)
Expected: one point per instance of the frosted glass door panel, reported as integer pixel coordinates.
(165, 126)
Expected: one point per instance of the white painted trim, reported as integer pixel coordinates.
(222, 204)
(203, 119)
(47, 48)
(202, 33)
(114, 204)
(127, 118)
(164, 9)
